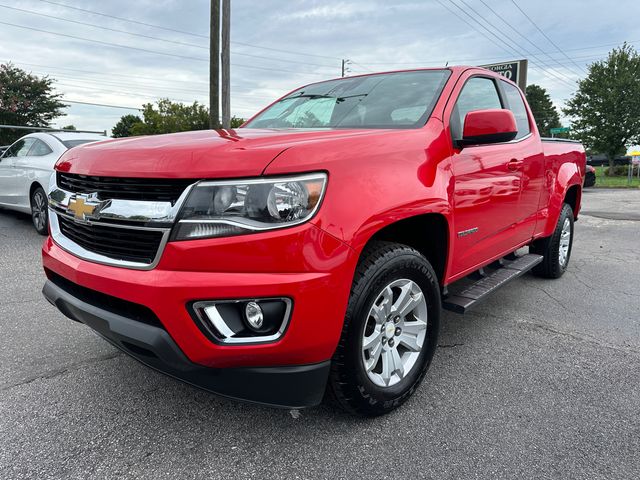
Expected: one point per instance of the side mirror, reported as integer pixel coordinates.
(488, 126)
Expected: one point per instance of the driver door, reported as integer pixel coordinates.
(10, 174)
(486, 187)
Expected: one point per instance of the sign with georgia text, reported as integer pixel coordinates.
(515, 70)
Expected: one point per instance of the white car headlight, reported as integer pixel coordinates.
(236, 207)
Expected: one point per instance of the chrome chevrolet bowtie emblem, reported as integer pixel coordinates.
(83, 206)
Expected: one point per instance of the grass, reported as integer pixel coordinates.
(614, 182)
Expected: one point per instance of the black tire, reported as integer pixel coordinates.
(39, 211)
(349, 385)
(551, 265)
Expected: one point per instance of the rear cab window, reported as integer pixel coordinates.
(515, 103)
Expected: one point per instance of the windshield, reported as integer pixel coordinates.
(75, 143)
(389, 100)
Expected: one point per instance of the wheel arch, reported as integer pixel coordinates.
(428, 233)
(34, 185)
(573, 197)
(567, 189)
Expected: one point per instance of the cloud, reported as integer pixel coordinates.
(376, 35)
(329, 12)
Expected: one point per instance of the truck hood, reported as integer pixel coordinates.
(199, 154)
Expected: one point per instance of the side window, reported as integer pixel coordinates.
(11, 151)
(516, 105)
(479, 93)
(24, 149)
(39, 149)
(20, 148)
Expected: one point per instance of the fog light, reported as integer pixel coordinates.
(242, 321)
(253, 314)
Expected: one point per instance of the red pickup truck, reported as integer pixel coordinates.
(313, 249)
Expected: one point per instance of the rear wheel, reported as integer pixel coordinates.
(390, 332)
(39, 211)
(555, 249)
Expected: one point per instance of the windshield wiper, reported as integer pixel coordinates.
(312, 96)
(317, 95)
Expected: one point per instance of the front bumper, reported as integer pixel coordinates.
(303, 263)
(290, 386)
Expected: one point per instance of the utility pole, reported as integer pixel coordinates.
(345, 66)
(226, 67)
(214, 65)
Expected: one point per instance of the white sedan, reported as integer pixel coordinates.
(26, 167)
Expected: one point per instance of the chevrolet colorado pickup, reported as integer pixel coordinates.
(311, 250)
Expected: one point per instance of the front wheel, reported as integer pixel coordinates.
(39, 211)
(390, 331)
(555, 249)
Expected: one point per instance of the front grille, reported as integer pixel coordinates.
(124, 308)
(149, 189)
(133, 245)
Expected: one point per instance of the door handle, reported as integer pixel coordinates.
(514, 165)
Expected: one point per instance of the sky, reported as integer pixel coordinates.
(123, 53)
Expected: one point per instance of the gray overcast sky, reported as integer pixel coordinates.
(375, 35)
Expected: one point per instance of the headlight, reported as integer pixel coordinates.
(235, 207)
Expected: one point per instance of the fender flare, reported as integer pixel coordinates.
(568, 176)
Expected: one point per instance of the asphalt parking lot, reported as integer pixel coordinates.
(541, 381)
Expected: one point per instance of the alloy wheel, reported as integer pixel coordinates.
(565, 241)
(394, 332)
(39, 210)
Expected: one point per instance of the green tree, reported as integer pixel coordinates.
(69, 127)
(606, 108)
(26, 101)
(236, 121)
(124, 125)
(544, 111)
(168, 117)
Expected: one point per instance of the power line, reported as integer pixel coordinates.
(99, 42)
(591, 56)
(514, 30)
(66, 77)
(545, 35)
(111, 74)
(119, 92)
(99, 104)
(161, 27)
(445, 6)
(131, 94)
(361, 66)
(517, 47)
(78, 102)
(127, 93)
(489, 32)
(31, 12)
(284, 51)
(599, 46)
(153, 51)
(149, 37)
(509, 46)
(84, 10)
